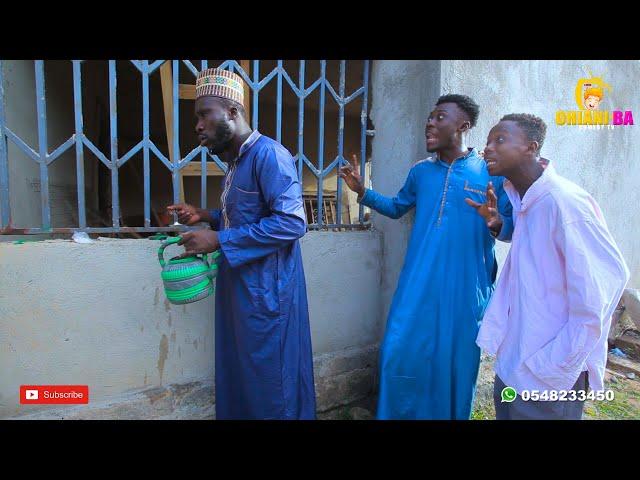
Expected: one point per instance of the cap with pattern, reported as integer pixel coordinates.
(220, 83)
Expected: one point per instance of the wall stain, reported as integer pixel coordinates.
(156, 299)
(164, 351)
(169, 319)
(173, 336)
(141, 328)
(195, 343)
(145, 377)
(167, 305)
(179, 352)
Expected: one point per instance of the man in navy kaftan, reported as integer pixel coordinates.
(263, 354)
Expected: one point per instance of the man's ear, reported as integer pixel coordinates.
(465, 126)
(534, 147)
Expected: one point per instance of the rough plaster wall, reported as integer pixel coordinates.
(343, 274)
(403, 93)
(96, 313)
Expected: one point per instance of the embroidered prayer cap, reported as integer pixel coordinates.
(215, 82)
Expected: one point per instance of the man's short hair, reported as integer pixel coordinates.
(534, 127)
(466, 104)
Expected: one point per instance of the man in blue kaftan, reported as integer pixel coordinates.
(429, 360)
(264, 363)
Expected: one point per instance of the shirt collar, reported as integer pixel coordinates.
(248, 143)
(471, 152)
(537, 189)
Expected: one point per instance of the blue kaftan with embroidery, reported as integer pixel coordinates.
(264, 363)
(429, 359)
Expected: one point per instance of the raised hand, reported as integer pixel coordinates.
(351, 175)
(488, 210)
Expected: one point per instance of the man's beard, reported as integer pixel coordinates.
(222, 139)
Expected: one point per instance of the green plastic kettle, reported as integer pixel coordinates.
(189, 279)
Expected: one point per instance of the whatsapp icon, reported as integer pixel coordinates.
(508, 394)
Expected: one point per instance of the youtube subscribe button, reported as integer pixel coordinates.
(54, 394)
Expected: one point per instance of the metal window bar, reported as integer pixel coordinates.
(203, 162)
(146, 140)
(4, 166)
(321, 220)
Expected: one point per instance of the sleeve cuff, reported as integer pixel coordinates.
(501, 234)
(215, 218)
(365, 197)
(555, 377)
(489, 339)
(223, 240)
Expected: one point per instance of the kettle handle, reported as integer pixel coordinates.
(164, 245)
